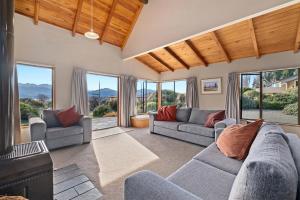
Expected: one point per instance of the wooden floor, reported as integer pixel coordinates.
(70, 183)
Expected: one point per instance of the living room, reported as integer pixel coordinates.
(148, 76)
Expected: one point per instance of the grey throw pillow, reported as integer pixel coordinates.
(183, 114)
(269, 171)
(49, 116)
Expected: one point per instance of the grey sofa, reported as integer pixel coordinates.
(270, 172)
(47, 128)
(189, 126)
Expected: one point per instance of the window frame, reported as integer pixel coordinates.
(260, 73)
(53, 69)
(145, 96)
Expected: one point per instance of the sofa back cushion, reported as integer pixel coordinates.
(200, 116)
(269, 171)
(183, 114)
(49, 116)
(166, 113)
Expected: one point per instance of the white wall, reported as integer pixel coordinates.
(165, 21)
(217, 101)
(50, 45)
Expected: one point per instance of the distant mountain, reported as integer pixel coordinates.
(104, 92)
(140, 92)
(28, 90)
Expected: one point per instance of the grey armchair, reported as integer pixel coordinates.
(47, 128)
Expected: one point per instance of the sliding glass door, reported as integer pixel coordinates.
(36, 91)
(103, 100)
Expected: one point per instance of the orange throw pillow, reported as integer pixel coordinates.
(166, 113)
(68, 117)
(214, 118)
(236, 140)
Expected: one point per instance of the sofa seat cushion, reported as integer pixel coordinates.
(203, 180)
(58, 132)
(168, 125)
(197, 129)
(269, 171)
(212, 156)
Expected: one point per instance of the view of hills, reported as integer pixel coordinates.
(28, 90)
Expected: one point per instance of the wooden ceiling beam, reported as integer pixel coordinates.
(172, 53)
(36, 11)
(136, 16)
(215, 38)
(253, 38)
(77, 16)
(145, 63)
(161, 61)
(297, 40)
(109, 18)
(196, 51)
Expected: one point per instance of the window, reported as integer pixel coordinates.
(270, 95)
(173, 93)
(146, 96)
(35, 90)
(103, 100)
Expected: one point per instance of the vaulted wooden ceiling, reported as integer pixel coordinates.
(113, 19)
(273, 32)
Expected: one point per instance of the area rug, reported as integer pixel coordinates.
(109, 132)
(70, 183)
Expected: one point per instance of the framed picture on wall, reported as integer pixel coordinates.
(211, 86)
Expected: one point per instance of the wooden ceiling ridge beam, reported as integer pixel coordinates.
(253, 38)
(196, 51)
(36, 11)
(161, 61)
(136, 16)
(77, 16)
(217, 41)
(297, 40)
(109, 18)
(172, 53)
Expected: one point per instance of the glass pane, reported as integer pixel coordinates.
(103, 100)
(250, 96)
(180, 90)
(280, 96)
(35, 90)
(151, 96)
(168, 94)
(140, 96)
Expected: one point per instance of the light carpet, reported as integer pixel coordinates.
(107, 161)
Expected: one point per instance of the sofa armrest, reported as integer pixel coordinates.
(152, 118)
(86, 123)
(37, 128)
(146, 185)
(221, 125)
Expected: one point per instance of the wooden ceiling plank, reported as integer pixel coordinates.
(137, 14)
(36, 11)
(217, 41)
(297, 40)
(196, 51)
(161, 61)
(253, 38)
(109, 18)
(172, 53)
(77, 16)
(148, 65)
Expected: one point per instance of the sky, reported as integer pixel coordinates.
(105, 82)
(35, 75)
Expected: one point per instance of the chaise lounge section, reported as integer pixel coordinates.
(264, 175)
(189, 126)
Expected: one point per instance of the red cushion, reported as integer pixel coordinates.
(166, 113)
(68, 117)
(214, 118)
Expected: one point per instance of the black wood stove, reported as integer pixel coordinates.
(25, 169)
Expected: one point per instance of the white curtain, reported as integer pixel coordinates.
(192, 97)
(128, 89)
(232, 105)
(79, 91)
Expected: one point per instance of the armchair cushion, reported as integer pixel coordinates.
(49, 116)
